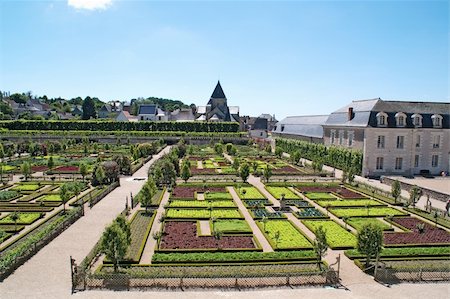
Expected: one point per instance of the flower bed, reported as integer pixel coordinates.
(429, 234)
(337, 236)
(309, 213)
(183, 235)
(366, 212)
(289, 236)
(232, 226)
(66, 169)
(260, 213)
(177, 203)
(202, 213)
(278, 192)
(350, 203)
(250, 193)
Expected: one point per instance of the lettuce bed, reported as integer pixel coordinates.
(337, 236)
(290, 236)
(366, 212)
(277, 192)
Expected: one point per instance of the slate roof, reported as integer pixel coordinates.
(218, 92)
(260, 124)
(309, 126)
(148, 109)
(365, 111)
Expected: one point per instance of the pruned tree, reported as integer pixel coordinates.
(370, 241)
(83, 170)
(185, 171)
(64, 194)
(267, 173)
(147, 192)
(396, 190)
(414, 195)
(114, 244)
(320, 245)
(244, 171)
(50, 162)
(14, 217)
(25, 168)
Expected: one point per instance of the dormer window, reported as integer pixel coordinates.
(437, 120)
(400, 119)
(381, 119)
(417, 120)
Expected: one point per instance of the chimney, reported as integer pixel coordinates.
(350, 113)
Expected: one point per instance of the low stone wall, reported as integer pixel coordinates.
(425, 191)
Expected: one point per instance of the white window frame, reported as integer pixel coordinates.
(418, 141)
(436, 141)
(437, 120)
(332, 136)
(417, 120)
(382, 119)
(400, 119)
(341, 137)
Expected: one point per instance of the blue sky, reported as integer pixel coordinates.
(283, 58)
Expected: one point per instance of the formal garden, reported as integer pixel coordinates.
(47, 186)
(201, 221)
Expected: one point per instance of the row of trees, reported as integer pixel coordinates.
(348, 160)
(119, 126)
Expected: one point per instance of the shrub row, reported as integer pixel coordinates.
(43, 125)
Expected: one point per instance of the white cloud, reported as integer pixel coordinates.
(89, 4)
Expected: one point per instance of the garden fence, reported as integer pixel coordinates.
(220, 277)
(390, 274)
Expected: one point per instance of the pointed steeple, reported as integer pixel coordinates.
(218, 92)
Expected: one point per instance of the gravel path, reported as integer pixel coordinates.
(256, 231)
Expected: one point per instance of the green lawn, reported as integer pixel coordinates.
(24, 218)
(290, 237)
(277, 192)
(202, 213)
(358, 223)
(349, 203)
(366, 212)
(232, 226)
(337, 236)
(250, 193)
(319, 195)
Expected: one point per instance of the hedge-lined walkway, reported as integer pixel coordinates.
(47, 274)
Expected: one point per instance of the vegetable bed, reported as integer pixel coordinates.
(277, 192)
(177, 203)
(232, 226)
(289, 236)
(140, 229)
(232, 257)
(337, 236)
(250, 193)
(202, 213)
(349, 203)
(366, 212)
(24, 218)
(358, 223)
(320, 195)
